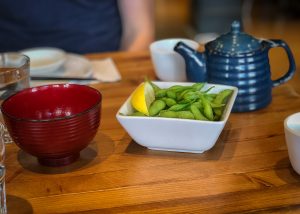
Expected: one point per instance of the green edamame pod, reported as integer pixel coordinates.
(178, 107)
(185, 115)
(197, 113)
(137, 114)
(215, 105)
(198, 104)
(222, 96)
(187, 108)
(179, 88)
(160, 93)
(183, 102)
(218, 111)
(171, 94)
(167, 113)
(207, 109)
(209, 97)
(191, 96)
(181, 94)
(198, 86)
(156, 107)
(169, 101)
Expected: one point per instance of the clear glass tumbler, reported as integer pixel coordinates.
(14, 74)
(3, 209)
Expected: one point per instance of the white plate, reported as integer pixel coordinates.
(74, 66)
(45, 59)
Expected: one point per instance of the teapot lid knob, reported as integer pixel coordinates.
(235, 42)
(236, 27)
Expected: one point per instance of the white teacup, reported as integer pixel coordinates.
(292, 137)
(169, 65)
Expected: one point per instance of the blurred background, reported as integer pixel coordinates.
(203, 20)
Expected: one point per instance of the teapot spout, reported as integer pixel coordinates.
(195, 62)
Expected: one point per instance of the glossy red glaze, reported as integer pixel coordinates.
(53, 122)
(51, 102)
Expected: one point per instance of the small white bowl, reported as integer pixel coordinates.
(45, 59)
(172, 134)
(169, 65)
(292, 138)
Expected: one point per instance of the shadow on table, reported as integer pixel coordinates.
(285, 171)
(215, 153)
(97, 151)
(17, 205)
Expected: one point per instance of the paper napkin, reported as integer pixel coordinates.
(105, 70)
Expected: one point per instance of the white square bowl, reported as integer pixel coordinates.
(173, 134)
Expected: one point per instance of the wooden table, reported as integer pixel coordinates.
(248, 169)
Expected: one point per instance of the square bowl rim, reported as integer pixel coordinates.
(223, 119)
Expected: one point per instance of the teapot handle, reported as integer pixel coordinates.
(292, 66)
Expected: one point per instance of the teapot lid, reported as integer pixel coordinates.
(234, 42)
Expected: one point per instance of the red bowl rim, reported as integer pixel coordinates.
(57, 118)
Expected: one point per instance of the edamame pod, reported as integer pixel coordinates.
(198, 104)
(198, 86)
(171, 94)
(180, 95)
(183, 101)
(185, 115)
(179, 88)
(137, 114)
(214, 105)
(210, 97)
(179, 107)
(207, 109)
(191, 96)
(218, 111)
(169, 101)
(156, 107)
(221, 98)
(197, 113)
(160, 93)
(168, 114)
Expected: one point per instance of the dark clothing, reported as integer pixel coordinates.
(79, 26)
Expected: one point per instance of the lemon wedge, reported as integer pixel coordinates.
(142, 98)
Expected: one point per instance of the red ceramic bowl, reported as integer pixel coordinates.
(53, 122)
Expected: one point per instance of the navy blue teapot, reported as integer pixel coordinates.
(240, 60)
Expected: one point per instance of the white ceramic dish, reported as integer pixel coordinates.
(171, 134)
(74, 66)
(169, 65)
(45, 59)
(292, 138)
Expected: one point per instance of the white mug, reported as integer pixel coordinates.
(292, 137)
(169, 65)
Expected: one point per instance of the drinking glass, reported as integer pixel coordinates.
(3, 209)
(14, 74)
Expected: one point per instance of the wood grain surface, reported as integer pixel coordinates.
(247, 171)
